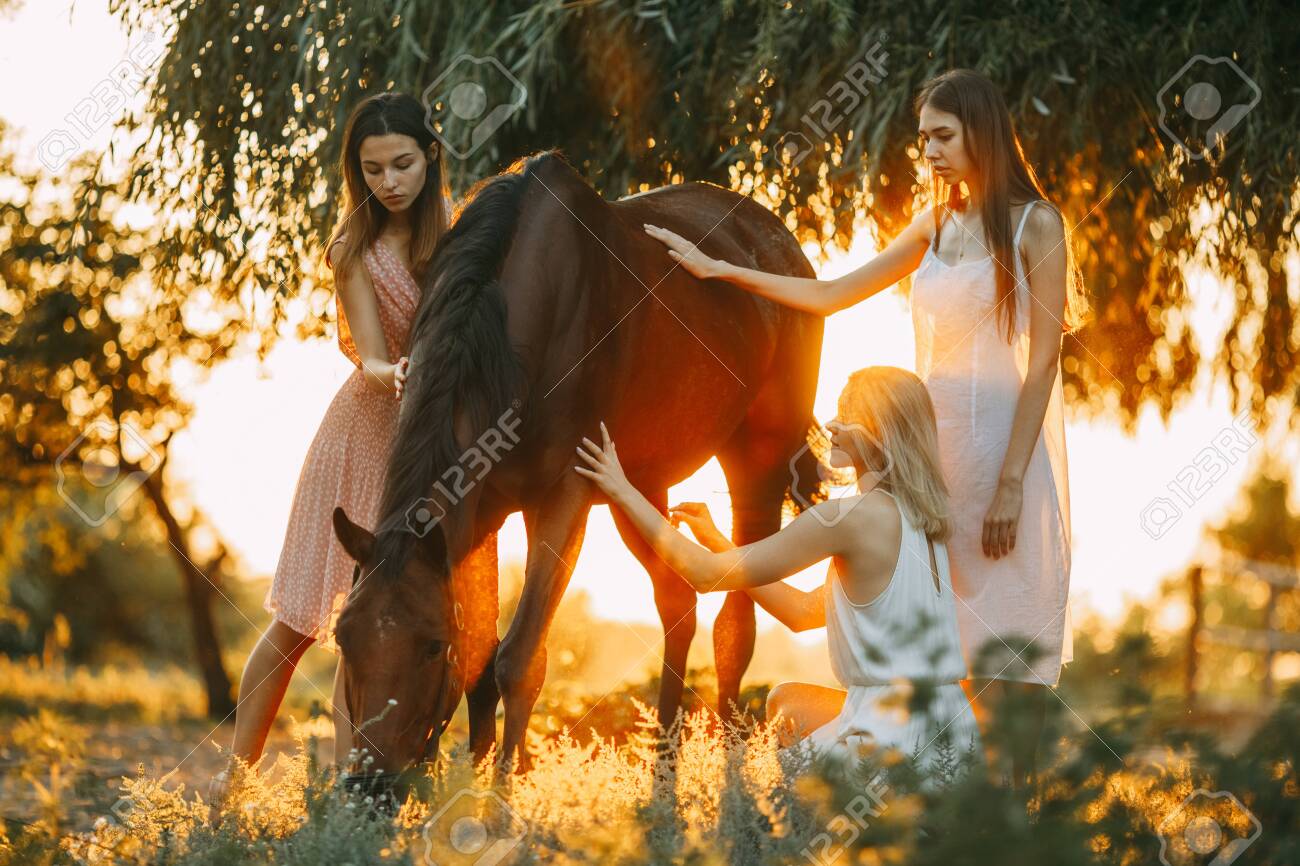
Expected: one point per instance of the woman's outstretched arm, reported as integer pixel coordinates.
(821, 297)
(792, 607)
(806, 541)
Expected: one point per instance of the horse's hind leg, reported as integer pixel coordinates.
(733, 648)
(757, 490)
(675, 600)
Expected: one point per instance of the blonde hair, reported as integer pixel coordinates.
(887, 411)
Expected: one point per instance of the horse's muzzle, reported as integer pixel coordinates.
(384, 788)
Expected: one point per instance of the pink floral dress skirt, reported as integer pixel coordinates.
(344, 467)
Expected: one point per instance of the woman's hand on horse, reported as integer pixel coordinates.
(604, 469)
(401, 372)
(696, 516)
(686, 254)
(1001, 519)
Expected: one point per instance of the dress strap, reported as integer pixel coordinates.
(946, 217)
(943, 221)
(1024, 218)
(1019, 260)
(932, 564)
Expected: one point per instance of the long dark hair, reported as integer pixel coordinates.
(1005, 177)
(462, 360)
(362, 215)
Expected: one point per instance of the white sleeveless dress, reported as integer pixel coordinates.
(974, 377)
(897, 650)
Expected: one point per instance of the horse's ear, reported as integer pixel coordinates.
(357, 541)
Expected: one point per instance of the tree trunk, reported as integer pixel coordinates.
(1270, 646)
(198, 592)
(1195, 581)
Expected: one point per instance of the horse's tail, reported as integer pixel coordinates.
(462, 362)
(808, 471)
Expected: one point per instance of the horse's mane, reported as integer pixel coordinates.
(461, 357)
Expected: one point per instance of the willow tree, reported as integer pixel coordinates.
(246, 104)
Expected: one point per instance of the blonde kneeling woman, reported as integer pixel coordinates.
(887, 603)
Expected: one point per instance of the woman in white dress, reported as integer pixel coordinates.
(995, 286)
(887, 603)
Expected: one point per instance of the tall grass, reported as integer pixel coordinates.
(721, 795)
(119, 693)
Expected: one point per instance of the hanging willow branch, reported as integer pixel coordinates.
(245, 105)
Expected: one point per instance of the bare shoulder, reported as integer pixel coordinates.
(871, 520)
(334, 246)
(873, 528)
(922, 226)
(1045, 225)
(881, 509)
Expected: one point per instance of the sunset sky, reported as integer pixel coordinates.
(253, 424)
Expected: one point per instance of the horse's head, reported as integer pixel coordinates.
(398, 635)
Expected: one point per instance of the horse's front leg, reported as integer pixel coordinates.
(675, 601)
(555, 531)
(756, 494)
(477, 579)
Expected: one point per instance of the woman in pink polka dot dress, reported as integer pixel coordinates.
(397, 209)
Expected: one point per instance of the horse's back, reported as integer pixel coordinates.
(755, 236)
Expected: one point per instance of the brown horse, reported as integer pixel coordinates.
(548, 309)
